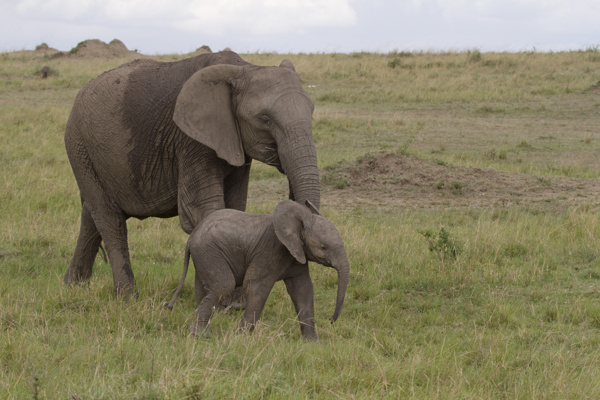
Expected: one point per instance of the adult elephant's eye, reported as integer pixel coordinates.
(265, 119)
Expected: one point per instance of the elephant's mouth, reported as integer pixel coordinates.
(272, 158)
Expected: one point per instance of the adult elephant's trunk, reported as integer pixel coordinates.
(299, 162)
(343, 270)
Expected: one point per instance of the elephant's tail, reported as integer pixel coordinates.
(186, 263)
(104, 257)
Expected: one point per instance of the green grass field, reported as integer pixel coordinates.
(465, 186)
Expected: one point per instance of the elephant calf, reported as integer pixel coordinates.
(231, 248)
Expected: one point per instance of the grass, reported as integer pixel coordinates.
(514, 314)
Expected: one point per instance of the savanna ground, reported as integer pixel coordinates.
(465, 185)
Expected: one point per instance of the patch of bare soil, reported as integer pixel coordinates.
(95, 48)
(594, 88)
(385, 180)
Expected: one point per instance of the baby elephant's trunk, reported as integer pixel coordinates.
(343, 270)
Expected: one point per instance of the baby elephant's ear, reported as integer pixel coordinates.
(289, 219)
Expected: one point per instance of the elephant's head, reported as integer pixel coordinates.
(261, 112)
(310, 236)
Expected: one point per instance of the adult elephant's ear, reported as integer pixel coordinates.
(289, 219)
(204, 112)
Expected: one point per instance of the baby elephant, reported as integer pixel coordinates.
(232, 248)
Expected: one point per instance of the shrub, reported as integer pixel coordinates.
(443, 243)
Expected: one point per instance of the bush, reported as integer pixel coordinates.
(443, 243)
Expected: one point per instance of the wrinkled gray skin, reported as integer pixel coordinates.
(233, 249)
(152, 139)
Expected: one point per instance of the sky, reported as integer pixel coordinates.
(304, 26)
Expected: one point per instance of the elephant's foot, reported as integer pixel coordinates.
(127, 293)
(75, 275)
(308, 330)
(246, 326)
(124, 282)
(125, 289)
(197, 329)
(311, 338)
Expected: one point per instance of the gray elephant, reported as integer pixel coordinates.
(233, 249)
(152, 139)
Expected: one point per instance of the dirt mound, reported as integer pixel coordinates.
(203, 50)
(95, 48)
(45, 50)
(388, 180)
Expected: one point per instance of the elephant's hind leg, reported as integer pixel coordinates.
(203, 315)
(217, 290)
(88, 243)
(113, 229)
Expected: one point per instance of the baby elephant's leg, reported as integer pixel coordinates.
(203, 315)
(300, 289)
(207, 297)
(256, 292)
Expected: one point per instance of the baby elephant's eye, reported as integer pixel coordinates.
(323, 247)
(265, 119)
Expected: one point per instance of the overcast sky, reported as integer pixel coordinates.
(292, 26)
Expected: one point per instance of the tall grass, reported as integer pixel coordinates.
(515, 314)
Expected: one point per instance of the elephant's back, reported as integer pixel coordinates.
(139, 96)
(100, 101)
(109, 81)
(231, 237)
(121, 128)
(234, 227)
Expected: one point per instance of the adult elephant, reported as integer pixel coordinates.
(152, 139)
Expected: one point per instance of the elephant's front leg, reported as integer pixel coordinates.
(300, 289)
(256, 292)
(88, 242)
(201, 185)
(236, 186)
